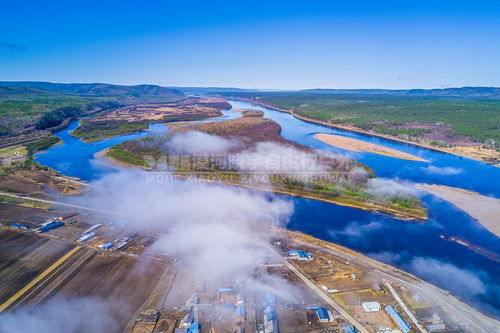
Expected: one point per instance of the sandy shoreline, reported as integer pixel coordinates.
(363, 146)
(473, 153)
(486, 210)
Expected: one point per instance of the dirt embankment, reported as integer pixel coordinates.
(486, 210)
(359, 145)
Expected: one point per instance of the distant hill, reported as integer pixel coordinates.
(205, 90)
(464, 92)
(29, 106)
(99, 89)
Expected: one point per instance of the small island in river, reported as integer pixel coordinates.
(250, 152)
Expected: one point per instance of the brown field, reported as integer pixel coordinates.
(485, 210)
(11, 213)
(25, 256)
(359, 145)
(122, 282)
(192, 108)
(38, 183)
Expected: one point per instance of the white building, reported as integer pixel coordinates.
(371, 306)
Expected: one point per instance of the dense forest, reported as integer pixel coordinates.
(477, 120)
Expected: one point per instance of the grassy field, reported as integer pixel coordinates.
(441, 121)
(340, 185)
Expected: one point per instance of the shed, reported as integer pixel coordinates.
(371, 306)
(436, 327)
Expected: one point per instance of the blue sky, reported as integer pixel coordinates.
(253, 44)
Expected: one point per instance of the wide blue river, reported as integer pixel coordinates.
(423, 248)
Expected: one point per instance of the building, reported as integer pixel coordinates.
(49, 221)
(417, 298)
(323, 315)
(86, 237)
(239, 313)
(378, 288)
(348, 328)
(371, 306)
(436, 327)
(92, 228)
(300, 255)
(106, 246)
(19, 226)
(396, 318)
(50, 226)
(436, 319)
(187, 321)
(150, 315)
(226, 290)
(270, 320)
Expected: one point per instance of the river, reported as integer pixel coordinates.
(415, 247)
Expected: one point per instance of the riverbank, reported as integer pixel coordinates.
(362, 146)
(486, 210)
(485, 155)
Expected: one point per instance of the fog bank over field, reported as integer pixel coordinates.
(62, 316)
(196, 142)
(217, 228)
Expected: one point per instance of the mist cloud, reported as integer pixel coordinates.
(383, 187)
(458, 280)
(356, 230)
(443, 171)
(217, 228)
(61, 316)
(196, 142)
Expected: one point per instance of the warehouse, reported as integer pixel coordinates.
(106, 246)
(300, 255)
(270, 320)
(371, 306)
(86, 237)
(323, 315)
(50, 226)
(436, 327)
(19, 226)
(403, 326)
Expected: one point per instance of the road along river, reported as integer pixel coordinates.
(450, 250)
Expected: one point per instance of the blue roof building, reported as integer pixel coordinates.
(322, 314)
(396, 317)
(19, 226)
(50, 226)
(300, 255)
